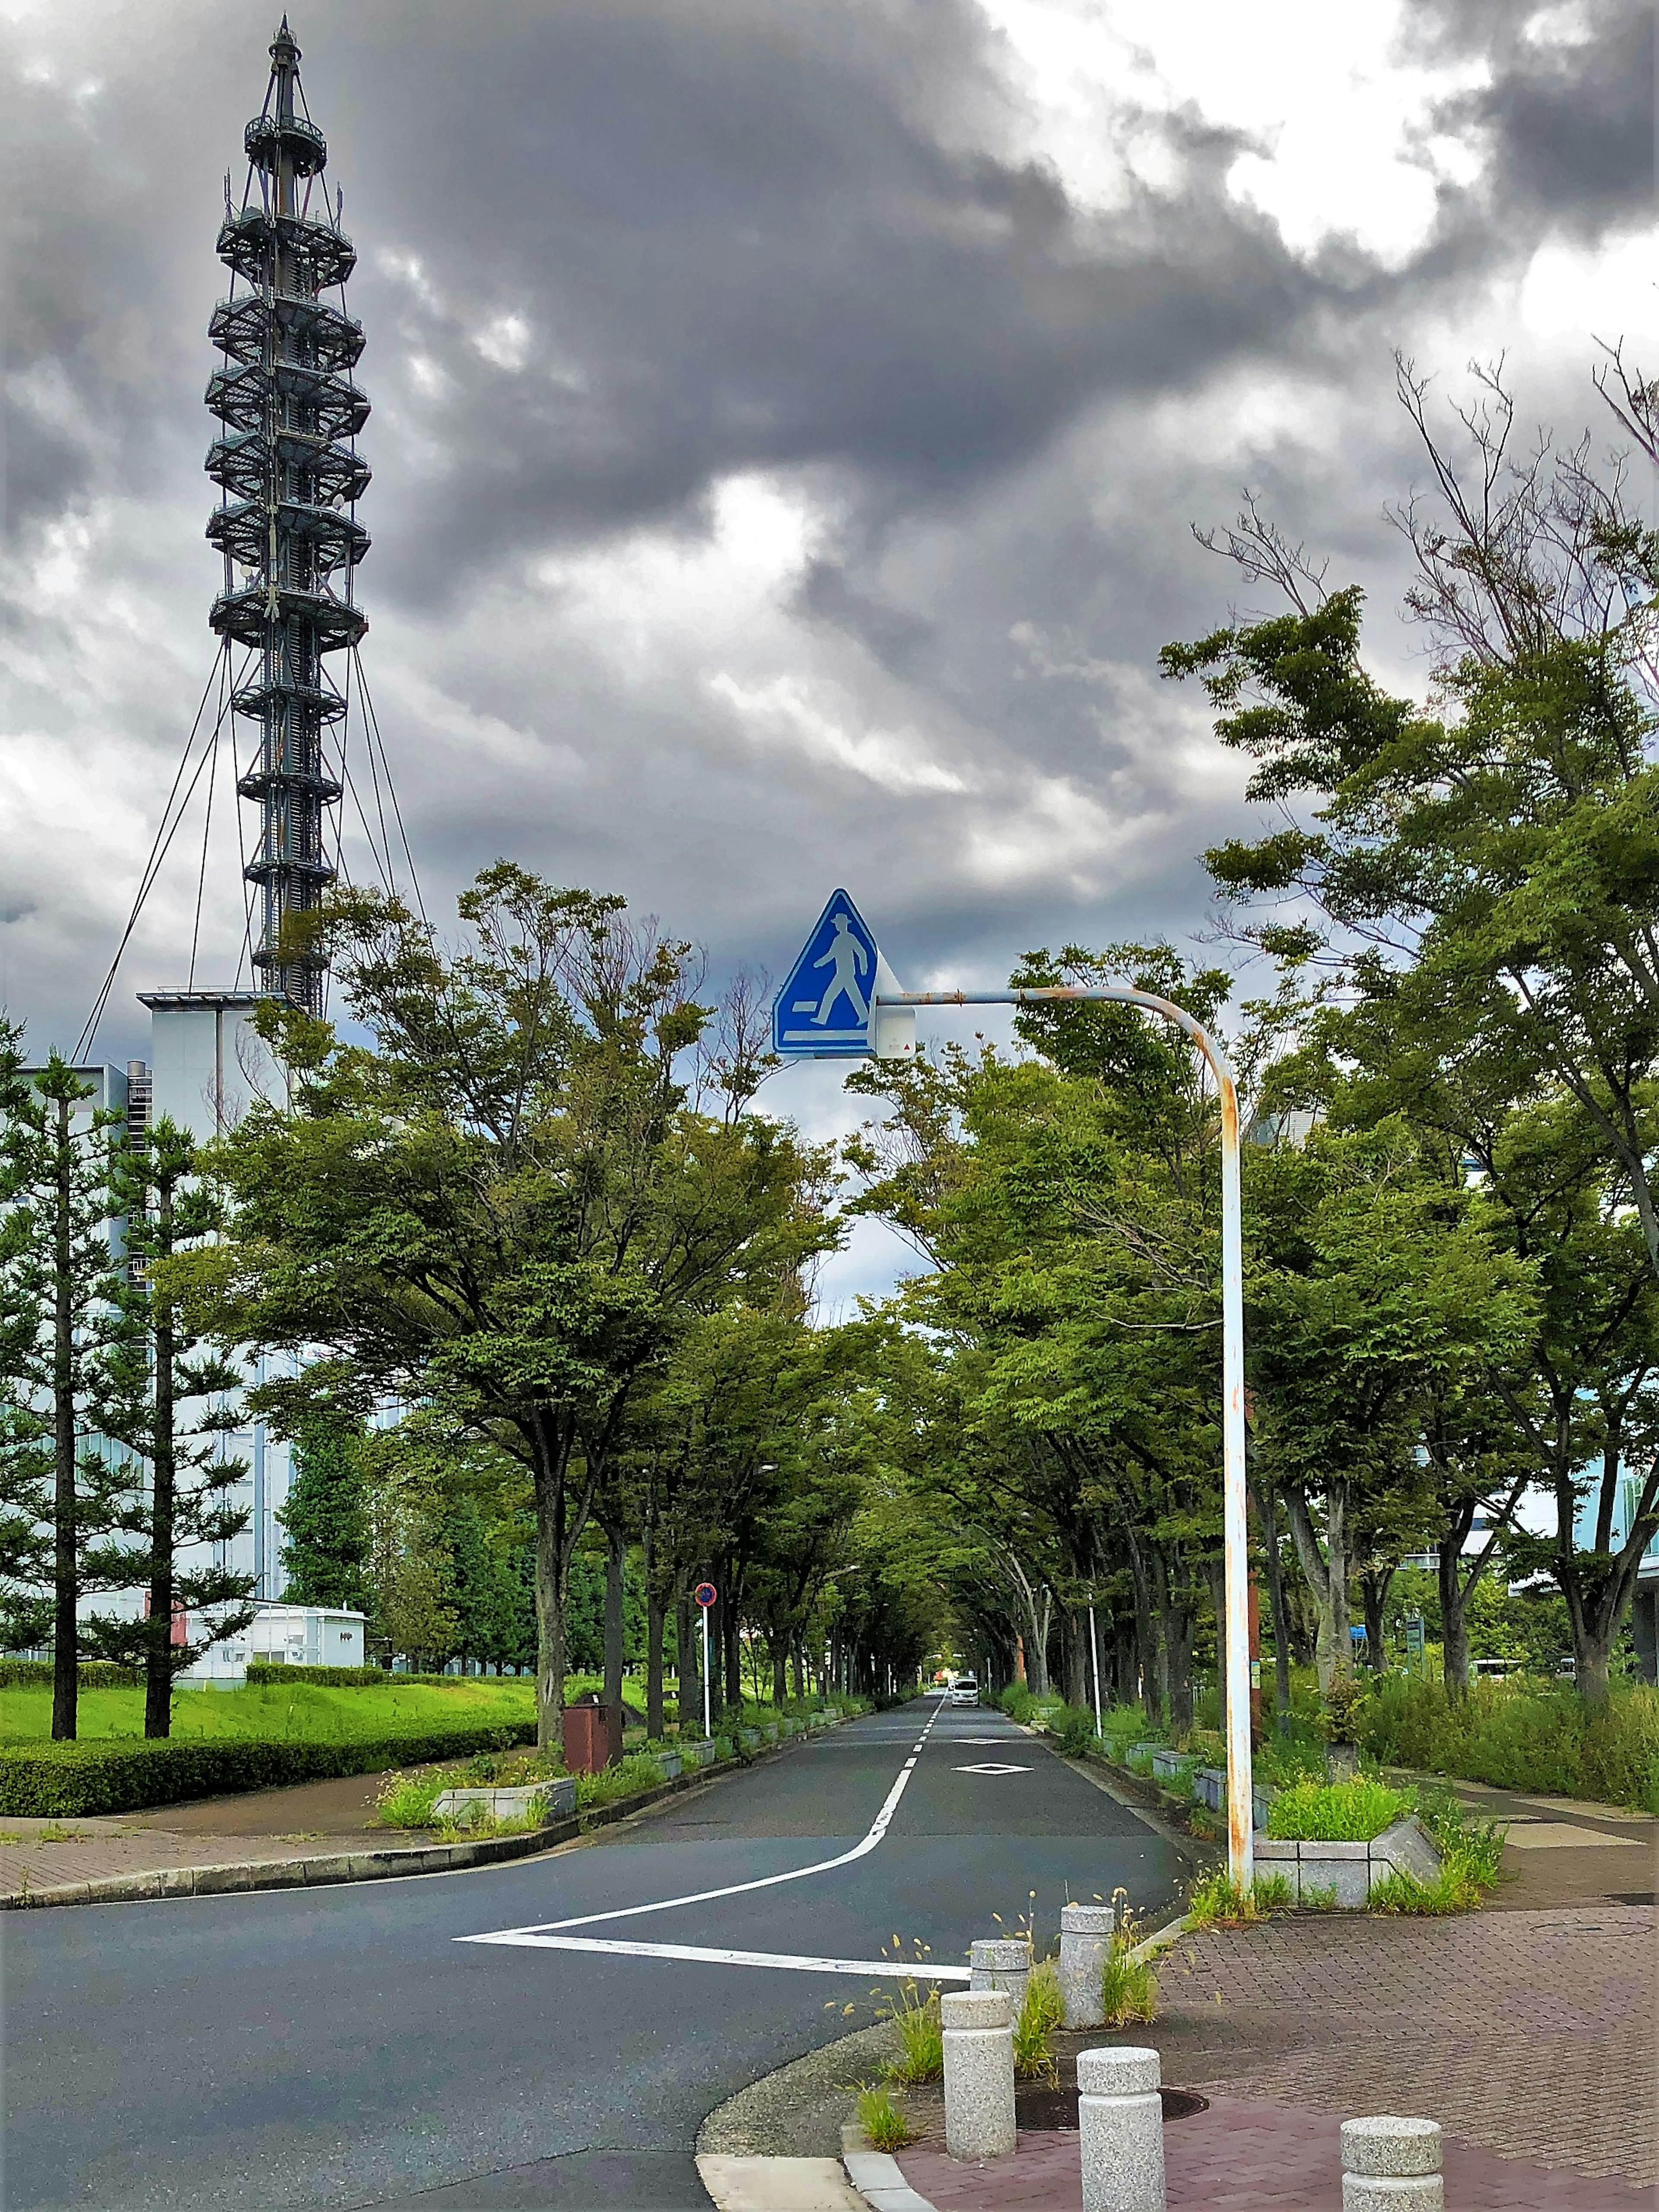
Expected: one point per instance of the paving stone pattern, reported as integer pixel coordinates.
(1243, 2156)
(96, 1848)
(1529, 2034)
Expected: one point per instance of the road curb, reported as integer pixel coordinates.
(329, 1869)
(877, 2177)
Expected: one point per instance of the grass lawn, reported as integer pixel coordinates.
(301, 1712)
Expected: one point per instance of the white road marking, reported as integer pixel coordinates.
(989, 1766)
(878, 1830)
(700, 1954)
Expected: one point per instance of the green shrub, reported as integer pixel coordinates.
(638, 1772)
(881, 2120)
(1336, 1812)
(1522, 1735)
(1072, 1727)
(94, 1674)
(268, 1671)
(1344, 1708)
(1018, 1702)
(120, 1775)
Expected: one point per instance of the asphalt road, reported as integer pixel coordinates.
(341, 2047)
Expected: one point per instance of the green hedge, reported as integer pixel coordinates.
(99, 1775)
(95, 1674)
(265, 1671)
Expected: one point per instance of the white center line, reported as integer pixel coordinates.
(861, 1849)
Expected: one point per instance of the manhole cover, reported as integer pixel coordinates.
(1038, 2108)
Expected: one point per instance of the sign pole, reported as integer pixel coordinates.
(704, 1595)
(1094, 1663)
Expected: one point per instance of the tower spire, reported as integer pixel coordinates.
(289, 477)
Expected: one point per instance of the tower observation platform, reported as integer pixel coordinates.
(290, 477)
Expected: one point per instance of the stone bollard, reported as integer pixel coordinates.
(979, 2073)
(1121, 2122)
(1391, 2165)
(999, 1962)
(1085, 1944)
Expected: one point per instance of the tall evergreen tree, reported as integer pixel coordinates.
(169, 1401)
(63, 1312)
(326, 1553)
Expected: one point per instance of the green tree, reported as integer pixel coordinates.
(503, 1207)
(169, 1401)
(61, 1313)
(326, 1532)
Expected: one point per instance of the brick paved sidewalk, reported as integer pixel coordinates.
(90, 1851)
(1529, 2036)
(1249, 2157)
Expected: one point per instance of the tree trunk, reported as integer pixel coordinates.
(1374, 1591)
(552, 1588)
(616, 1557)
(1267, 1511)
(1151, 1684)
(801, 1667)
(653, 1628)
(158, 1655)
(65, 1637)
(1074, 1632)
(688, 1679)
(1454, 1626)
(780, 1673)
(1326, 1574)
(1179, 1644)
(1215, 1568)
(732, 1638)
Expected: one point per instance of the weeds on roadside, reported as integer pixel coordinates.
(1043, 2010)
(1128, 1985)
(1219, 1901)
(914, 2013)
(1471, 1860)
(1337, 1812)
(1317, 1897)
(881, 2120)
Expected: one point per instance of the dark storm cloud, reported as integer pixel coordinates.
(618, 254)
(738, 240)
(1569, 119)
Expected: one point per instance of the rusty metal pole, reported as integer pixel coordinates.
(1241, 1849)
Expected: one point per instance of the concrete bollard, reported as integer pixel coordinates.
(1121, 2129)
(1391, 2165)
(1000, 1962)
(979, 2073)
(1085, 1944)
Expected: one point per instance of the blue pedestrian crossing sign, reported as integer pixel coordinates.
(826, 1010)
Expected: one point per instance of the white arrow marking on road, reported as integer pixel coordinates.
(991, 1767)
(698, 1954)
(878, 1830)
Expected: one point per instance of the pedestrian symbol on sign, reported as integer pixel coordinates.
(826, 1008)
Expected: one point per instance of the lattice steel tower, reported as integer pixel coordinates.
(290, 476)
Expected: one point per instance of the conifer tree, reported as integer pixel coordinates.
(325, 1556)
(62, 1315)
(170, 1400)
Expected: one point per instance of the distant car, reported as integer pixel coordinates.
(964, 1691)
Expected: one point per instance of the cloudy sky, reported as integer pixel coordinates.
(788, 420)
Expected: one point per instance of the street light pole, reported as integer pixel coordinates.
(1241, 1851)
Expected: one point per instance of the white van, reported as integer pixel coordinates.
(964, 1691)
